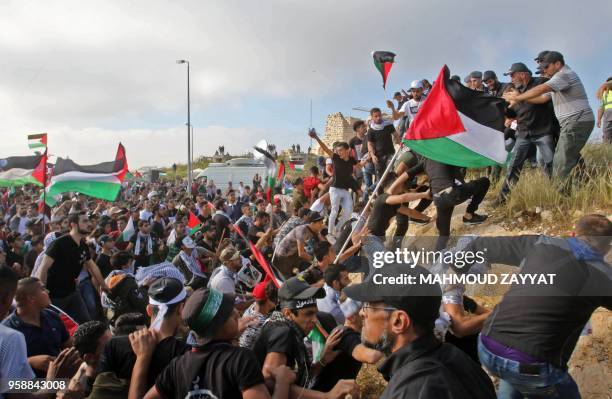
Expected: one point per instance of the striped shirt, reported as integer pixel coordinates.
(569, 97)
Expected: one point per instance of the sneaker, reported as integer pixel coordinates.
(476, 219)
(420, 222)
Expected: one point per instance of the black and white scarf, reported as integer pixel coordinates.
(149, 244)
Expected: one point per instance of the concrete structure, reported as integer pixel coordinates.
(337, 128)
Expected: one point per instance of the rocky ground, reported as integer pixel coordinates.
(591, 362)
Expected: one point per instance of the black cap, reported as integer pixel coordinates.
(165, 289)
(456, 78)
(397, 93)
(419, 298)
(206, 311)
(541, 55)
(296, 294)
(476, 75)
(552, 56)
(314, 217)
(489, 75)
(517, 67)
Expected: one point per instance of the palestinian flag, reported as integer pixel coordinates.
(383, 61)
(459, 126)
(37, 141)
(271, 165)
(317, 337)
(296, 166)
(127, 232)
(193, 223)
(102, 180)
(17, 171)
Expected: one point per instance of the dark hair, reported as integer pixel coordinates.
(374, 110)
(314, 170)
(321, 249)
(37, 239)
(303, 212)
(342, 144)
(261, 215)
(8, 282)
(74, 217)
(272, 291)
(127, 323)
(169, 312)
(120, 259)
(298, 181)
(219, 203)
(24, 288)
(260, 201)
(87, 335)
(595, 229)
(12, 237)
(332, 273)
(359, 123)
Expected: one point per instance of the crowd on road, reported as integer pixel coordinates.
(175, 292)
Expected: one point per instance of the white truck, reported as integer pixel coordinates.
(235, 170)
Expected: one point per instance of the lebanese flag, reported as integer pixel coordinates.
(459, 126)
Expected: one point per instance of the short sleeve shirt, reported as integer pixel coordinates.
(343, 171)
(569, 97)
(310, 183)
(344, 366)
(68, 260)
(382, 140)
(411, 107)
(13, 357)
(217, 370)
(289, 245)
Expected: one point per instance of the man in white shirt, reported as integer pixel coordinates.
(412, 106)
(336, 278)
(224, 277)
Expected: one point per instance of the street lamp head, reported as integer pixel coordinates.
(181, 61)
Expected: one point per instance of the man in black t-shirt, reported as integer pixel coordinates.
(214, 368)
(342, 181)
(166, 301)
(103, 260)
(352, 352)
(281, 342)
(258, 229)
(144, 244)
(63, 262)
(381, 136)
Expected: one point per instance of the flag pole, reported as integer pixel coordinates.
(44, 207)
(367, 205)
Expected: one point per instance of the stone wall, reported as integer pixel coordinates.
(337, 128)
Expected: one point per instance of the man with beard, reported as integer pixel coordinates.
(381, 136)
(281, 342)
(412, 106)
(399, 321)
(63, 262)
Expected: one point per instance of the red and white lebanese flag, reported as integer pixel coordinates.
(459, 126)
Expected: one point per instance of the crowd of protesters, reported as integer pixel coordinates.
(170, 292)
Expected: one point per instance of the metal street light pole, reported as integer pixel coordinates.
(189, 174)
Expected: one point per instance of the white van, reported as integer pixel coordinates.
(235, 170)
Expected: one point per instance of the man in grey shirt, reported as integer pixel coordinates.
(571, 108)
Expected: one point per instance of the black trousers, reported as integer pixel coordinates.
(446, 202)
(402, 222)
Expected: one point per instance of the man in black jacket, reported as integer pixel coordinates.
(399, 320)
(532, 332)
(534, 127)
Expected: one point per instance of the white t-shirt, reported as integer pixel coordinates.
(411, 107)
(13, 357)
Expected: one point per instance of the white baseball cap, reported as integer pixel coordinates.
(416, 84)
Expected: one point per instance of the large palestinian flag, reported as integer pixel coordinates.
(99, 181)
(458, 126)
(17, 171)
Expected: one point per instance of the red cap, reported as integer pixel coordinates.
(259, 292)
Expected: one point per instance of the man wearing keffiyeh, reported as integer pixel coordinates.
(144, 244)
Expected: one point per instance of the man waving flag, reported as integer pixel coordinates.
(459, 126)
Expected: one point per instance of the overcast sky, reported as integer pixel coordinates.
(93, 73)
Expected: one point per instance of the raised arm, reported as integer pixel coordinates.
(324, 147)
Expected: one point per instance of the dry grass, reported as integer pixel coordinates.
(535, 196)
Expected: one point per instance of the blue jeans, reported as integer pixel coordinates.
(546, 382)
(89, 295)
(368, 174)
(520, 153)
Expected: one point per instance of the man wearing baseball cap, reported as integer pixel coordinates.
(214, 368)
(282, 342)
(571, 107)
(539, 59)
(410, 107)
(399, 318)
(494, 86)
(534, 127)
(476, 81)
